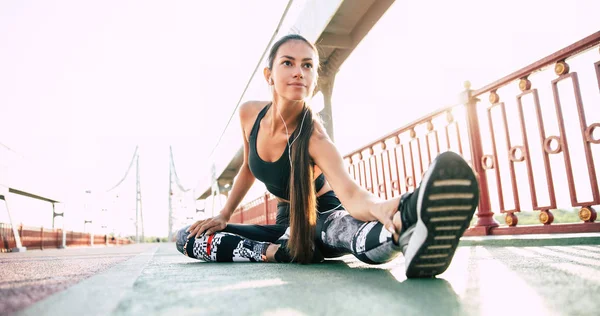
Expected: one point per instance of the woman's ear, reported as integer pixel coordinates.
(267, 74)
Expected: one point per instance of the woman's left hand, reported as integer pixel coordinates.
(209, 225)
(384, 212)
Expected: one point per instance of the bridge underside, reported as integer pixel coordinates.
(31, 195)
(348, 25)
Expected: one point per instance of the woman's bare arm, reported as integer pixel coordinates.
(245, 178)
(360, 203)
(240, 187)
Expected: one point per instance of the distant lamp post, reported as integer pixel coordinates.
(85, 222)
(87, 200)
(104, 217)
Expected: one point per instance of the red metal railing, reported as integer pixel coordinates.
(518, 165)
(41, 238)
(262, 210)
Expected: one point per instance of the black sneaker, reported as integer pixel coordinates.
(443, 206)
(408, 216)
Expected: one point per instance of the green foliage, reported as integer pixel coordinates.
(153, 239)
(561, 216)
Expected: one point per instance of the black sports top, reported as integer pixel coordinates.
(275, 175)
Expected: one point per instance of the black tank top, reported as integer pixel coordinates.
(275, 175)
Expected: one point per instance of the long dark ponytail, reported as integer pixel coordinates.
(303, 200)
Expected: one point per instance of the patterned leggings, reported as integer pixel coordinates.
(337, 233)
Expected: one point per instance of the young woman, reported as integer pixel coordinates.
(321, 211)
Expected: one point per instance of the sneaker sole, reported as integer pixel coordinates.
(448, 197)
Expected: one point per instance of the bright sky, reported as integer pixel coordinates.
(81, 83)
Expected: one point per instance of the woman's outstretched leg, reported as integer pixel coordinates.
(221, 247)
(433, 218)
(234, 244)
(338, 233)
(342, 234)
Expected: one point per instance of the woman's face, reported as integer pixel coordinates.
(294, 73)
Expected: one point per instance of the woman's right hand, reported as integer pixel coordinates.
(209, 225)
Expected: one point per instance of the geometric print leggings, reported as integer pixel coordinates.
(336, 234)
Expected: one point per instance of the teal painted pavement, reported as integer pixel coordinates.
(482, 280)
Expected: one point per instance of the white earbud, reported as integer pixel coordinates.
(288, 135)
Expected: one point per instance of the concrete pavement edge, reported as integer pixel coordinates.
(96, 295)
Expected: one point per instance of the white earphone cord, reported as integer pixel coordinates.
(290, 144)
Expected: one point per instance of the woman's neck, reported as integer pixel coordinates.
(288, 111)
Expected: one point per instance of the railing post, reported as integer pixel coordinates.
(63, 232)
(21, 233)
(484, 211)
(266, 201)
(16, 234)
(42, 238)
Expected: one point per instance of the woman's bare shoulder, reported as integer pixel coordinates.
(249, 110)
(319, 132)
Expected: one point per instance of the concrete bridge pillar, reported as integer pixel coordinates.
(326, 87)
(19, 246)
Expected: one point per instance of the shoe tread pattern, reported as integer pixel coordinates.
(446, 211)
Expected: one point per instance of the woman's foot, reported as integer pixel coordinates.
(182, 239)
(436, 215)
(271, 251)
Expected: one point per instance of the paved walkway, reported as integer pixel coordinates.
(27, 277)
(482, 280)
